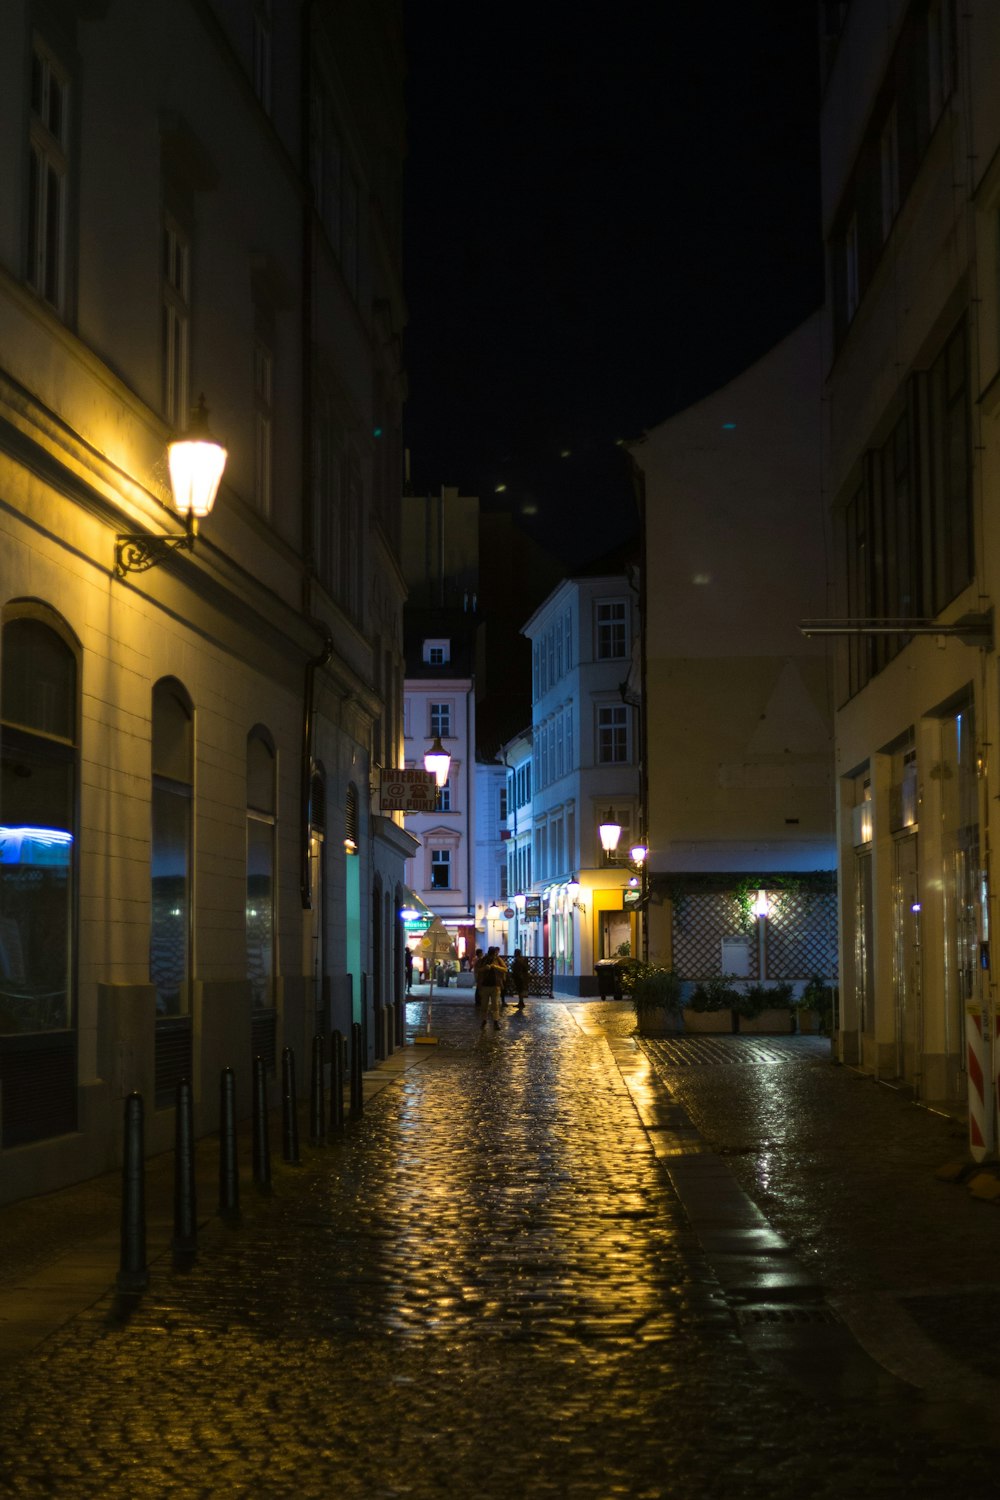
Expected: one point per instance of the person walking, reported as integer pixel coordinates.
(520, 973)
(477, 969)
(409, 970)
(491, 977)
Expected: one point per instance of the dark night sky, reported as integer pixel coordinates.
(609, 213)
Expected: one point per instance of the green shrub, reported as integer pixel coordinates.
(718, 993)
(656, 989)
(759, 997)
(821, 996)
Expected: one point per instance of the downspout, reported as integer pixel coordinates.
(305, 775)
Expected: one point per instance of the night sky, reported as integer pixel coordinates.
(609, 213)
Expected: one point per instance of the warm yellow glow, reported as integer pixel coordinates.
(196, 468)
(438, 761)
(610, 832)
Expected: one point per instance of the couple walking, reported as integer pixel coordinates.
(491, 978)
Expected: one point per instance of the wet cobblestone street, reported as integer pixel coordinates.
(488, 1287)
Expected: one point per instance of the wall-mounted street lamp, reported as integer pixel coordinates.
(196, 463)
(437, 760)
(611, 831)
(573, 892)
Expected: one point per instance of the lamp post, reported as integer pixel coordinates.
(196, 462)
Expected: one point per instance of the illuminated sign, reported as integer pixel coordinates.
(533, 908)
(407, 791)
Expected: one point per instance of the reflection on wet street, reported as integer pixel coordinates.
(488, 1287)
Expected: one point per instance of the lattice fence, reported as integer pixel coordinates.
(801, 934)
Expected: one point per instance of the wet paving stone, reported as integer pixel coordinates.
(488, 1287)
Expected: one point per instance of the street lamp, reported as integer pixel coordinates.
(611, 831)
(196, 462)
(437, 760)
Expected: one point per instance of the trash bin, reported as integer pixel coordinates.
(609, 978)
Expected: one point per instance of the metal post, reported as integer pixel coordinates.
(289, 1109)
(336, 1081)
(229, 1174)
(400, 1022)
(132, 1274)
(317, 1106)
(261, 1137)
(185, 1241)
(389, 1027)
(357, 1068)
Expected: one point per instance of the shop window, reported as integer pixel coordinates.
(171, 856)
(38, 827)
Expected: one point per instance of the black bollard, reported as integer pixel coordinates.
(289, 1109)
(132, 1274)
(317, 1105)
(400, 1022)
(261, 1138)
(336, 1081)
(229, 1175)
(185, 1240)
(357, 1068)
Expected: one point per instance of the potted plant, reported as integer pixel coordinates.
(656, 999)
(766, 1008)
(712, 1005)
(815, 1005)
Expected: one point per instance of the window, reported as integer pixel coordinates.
(262, 412)
(889, 167)
(48, 178)
(950, 490)
(440, 869)
(38, 706)
(170, 865)
(611, 630)
(176, 317)
(852, 282)
(440, 720)
(443, 802)
(437, 653)
(503, 804)
(940, 55)
(263, 25)
(260, 891)
(612, 734)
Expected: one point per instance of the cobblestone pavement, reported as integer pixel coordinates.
(490, 1286)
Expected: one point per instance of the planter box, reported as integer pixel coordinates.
(707, 1020)
(661, 1022)
(808, 1021)
(771, 1022)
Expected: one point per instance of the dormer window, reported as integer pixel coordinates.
(437, 653)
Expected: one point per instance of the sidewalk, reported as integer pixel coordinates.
(60, 1253)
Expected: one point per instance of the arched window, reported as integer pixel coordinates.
(261, 809)
(172, 810)
(38, 826)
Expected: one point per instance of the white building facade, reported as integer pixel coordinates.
(439, 704)
(585, 760)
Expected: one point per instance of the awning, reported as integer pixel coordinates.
(422, 915)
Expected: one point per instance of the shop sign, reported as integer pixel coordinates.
(407, 791)
(631, 898)
(533, 908)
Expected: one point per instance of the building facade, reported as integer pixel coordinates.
(440, 704)
(911, 206)
(192, 870)
(738, 714)
(585, 760)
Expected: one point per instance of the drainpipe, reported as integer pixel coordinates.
(305, 773)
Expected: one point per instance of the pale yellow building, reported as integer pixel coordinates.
(192, 866)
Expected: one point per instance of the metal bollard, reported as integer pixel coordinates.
(132, 1273)
(357, 1068)
(401, 1022)
(261, 1138)
(289, 1110)
(336, 1081)
(229, 1174)
(185, 1240)
(317, 1106)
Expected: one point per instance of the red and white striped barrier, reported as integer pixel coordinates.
(978, 1069)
